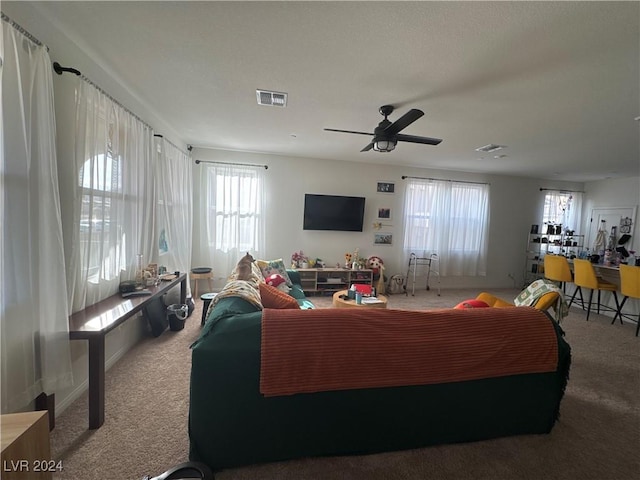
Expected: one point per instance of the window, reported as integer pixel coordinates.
(101, 242)
(450, 219)
(562, 208)
(115, 195)
(234, 212)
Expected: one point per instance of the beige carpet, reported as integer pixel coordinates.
(147, 400)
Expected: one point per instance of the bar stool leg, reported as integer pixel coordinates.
(619, 312)
(589, 306)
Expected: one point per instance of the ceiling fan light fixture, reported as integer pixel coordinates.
(384, 145)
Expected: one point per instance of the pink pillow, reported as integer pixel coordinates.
(472, 303)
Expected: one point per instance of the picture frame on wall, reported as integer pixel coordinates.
(384, 213)
(383, 239)
(386, 187)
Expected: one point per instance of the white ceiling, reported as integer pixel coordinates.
(556, 82)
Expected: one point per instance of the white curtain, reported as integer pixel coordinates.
(450, 219)
(33, 297)
(114, 197)
(233, 214)
(175, 207)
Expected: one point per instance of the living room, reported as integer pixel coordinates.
(515, 202)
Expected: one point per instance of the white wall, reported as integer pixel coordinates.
(515, 204)
(620, 192)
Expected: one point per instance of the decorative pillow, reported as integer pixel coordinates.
(269, 267)
(473, 303)
(273, 298)
(242, 289)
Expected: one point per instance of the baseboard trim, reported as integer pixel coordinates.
(83, 387)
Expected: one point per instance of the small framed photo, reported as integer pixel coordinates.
(386, 187)
(382, 238)
(384, 213)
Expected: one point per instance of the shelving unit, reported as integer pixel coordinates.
(539, 245)
(319, 280)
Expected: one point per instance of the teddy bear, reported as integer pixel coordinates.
(278, 281)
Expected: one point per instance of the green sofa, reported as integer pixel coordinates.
(297, 292)
(231, 423)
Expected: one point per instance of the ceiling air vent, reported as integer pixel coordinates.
(274, 99)
(492, 147)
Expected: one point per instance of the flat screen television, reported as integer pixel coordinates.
(333, 212)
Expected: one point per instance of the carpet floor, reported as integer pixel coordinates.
(147, 402)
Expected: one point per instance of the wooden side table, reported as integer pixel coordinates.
(200, 276)
(206, 298)
(342, 303)
(26, 451)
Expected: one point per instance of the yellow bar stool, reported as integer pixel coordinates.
(584, 275)
(630, 288)
(556, 269)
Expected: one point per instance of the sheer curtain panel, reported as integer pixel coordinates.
(175, 207)
(233, 211)
(114, 197)
(33, 297)
(451, 219)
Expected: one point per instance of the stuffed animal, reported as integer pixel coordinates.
(377, 265)
(278, 281)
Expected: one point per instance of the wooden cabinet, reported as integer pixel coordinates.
(332, 279)
(26, 452)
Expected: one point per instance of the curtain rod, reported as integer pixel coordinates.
(444, 180)
(172, 144)
(59, 69)
(560, 190)
(230, 163)
(21, 29)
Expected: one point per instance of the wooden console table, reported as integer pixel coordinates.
(94, 322)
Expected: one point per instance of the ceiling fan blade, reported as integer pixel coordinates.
(404, 121)
(347, 131)
(415, 139)
(367, 148)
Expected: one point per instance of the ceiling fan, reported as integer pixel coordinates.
(386, 134)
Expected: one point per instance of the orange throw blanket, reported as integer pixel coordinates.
(339, 349)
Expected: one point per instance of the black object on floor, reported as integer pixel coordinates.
(156, 315)
(185, 470)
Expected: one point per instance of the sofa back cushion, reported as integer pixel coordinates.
(344, 349)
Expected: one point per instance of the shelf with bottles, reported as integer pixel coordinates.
(566, 243)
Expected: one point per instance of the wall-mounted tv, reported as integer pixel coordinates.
(333, 212)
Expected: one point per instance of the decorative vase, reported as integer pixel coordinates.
(139, 272)
(305, 265)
